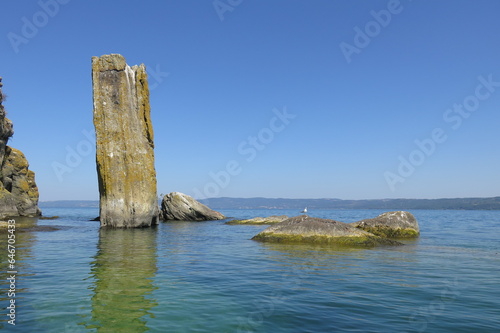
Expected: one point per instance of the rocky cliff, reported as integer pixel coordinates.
(124, 143)
(18, 190)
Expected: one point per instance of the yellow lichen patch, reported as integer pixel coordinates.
(16, 158)
(23, 185)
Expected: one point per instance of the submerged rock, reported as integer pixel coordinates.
(124, 143)
(182, 207)
(261, 220)
(398, 224)
(28, 224)
(305, 229)
(18, 190)
(55, 217)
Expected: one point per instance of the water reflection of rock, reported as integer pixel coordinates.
(123, 269)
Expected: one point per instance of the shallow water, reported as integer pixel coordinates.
(210, 277)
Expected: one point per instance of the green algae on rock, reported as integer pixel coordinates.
(261, 220)
(398, 224)
(305, 229)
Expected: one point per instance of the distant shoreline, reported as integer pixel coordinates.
(492, 203)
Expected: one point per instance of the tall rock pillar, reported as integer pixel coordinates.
(124, 143)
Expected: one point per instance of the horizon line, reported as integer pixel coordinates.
(281, 198)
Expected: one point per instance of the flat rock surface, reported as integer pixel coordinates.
(261, 220)
(124, 143)
(316, 230)
(25, 224)
(18, 190)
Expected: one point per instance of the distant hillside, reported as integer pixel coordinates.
(392, 204)
(68, 203)
(273, 203)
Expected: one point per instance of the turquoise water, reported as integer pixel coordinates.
(210, 277)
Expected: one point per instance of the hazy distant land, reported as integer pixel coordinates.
(278, 203)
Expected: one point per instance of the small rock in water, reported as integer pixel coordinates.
(48, 217)
(181, 207)
(398, 224)
(305, 229)
(261, 220)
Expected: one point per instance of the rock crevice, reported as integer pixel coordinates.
(397, 224)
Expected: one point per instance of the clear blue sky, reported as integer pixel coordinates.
(220, 72)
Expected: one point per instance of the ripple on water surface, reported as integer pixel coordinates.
(210, 277)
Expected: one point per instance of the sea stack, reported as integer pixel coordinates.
(124, 143)
(18, 190)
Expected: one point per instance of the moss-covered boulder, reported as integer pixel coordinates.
(398, 224)
(182, 207)
(273, 219)
(305, 229)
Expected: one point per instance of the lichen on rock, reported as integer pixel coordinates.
(124, 143)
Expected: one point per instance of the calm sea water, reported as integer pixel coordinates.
(210, 277)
